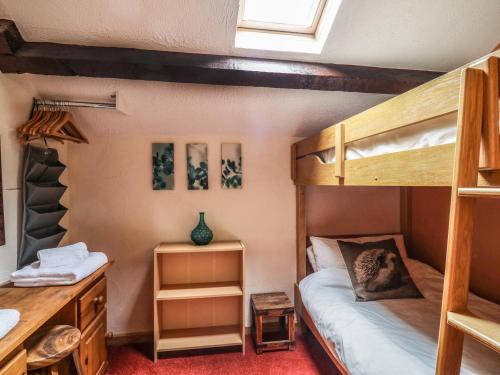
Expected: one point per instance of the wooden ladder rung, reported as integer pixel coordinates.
(485, 331)
(479, 192)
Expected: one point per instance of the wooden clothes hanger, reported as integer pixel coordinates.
(66, 128)
(55, 123)
(53, 118)
(47, 118)
(26, 129)
(33, 120)
(29, 130)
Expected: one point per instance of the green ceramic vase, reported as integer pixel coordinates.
(202, 235)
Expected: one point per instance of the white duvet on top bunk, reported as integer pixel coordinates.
(428, 134)
(390, 336)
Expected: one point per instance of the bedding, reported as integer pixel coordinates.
(390, 337)
(377, 271)
(327, 253)
(432, 133)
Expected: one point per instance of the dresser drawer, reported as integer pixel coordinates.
(93, 352)
(91, 303)
(16, 366)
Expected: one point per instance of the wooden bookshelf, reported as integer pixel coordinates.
(198, 296)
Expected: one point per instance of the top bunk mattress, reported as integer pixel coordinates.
(390, 336)
(431, 133)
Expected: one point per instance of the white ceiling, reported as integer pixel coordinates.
(420, 34)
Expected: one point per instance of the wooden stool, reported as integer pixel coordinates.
(53, 344)
(269, 335)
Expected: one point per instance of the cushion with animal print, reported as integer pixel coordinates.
(377, 271)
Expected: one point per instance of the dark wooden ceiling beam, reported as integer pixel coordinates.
(19, 56)
(10, 37)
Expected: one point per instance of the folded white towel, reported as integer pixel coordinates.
(63, 256)
(8, 320)
(34, 275)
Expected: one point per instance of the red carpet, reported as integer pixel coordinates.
(308, 358)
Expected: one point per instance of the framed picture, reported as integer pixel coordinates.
(231, 172)
(163, 166)
(197, 166)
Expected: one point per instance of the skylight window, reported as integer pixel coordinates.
(293, 16)
(285, 25)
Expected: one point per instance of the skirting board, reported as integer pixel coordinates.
(129, 338)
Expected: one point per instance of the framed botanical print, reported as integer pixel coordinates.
(163, 166)
(197, 166)
(231, 166)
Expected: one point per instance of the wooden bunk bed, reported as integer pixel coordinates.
(471, 166)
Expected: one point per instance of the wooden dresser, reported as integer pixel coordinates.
(82, 305)
(199, 296)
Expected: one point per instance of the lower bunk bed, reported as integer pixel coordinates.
(391, 336)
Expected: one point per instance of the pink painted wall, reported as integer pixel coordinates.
(115, 210)
(429, 230)
(338, 210)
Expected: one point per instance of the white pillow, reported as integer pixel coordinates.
(327, 252)
(310, 257)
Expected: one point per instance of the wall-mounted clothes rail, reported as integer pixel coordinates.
(51, 118)
(71, 103)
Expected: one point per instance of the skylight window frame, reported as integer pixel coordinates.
(284, 40)
(280, 27)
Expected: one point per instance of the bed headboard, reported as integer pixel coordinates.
(302, 239)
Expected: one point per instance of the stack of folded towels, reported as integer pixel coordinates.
(59, 266)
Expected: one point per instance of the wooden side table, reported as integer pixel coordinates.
(273, 325)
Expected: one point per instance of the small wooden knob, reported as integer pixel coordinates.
(98, 300)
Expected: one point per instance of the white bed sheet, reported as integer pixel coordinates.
(390, 336)
(429, 134)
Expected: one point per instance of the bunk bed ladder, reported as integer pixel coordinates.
(477, 149)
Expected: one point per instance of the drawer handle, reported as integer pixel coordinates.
(98, 300)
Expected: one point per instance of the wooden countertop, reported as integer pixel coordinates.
(37, 306)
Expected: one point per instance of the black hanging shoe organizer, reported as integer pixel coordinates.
(41, 209)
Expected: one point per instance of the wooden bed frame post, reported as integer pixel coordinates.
(300, 224)
(405, 213)
(458, 253)
(340, 152)
(489, 157)
(301, 231)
